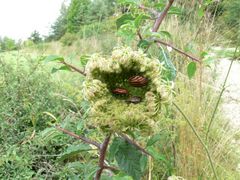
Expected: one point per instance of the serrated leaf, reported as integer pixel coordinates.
(154, 139)
(128, 159)
(51, 58)
(125, 18)
(114, 148)
(74, 150)
(191, 69)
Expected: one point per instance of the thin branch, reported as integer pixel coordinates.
(160, 18)
(199, 138)
(134, 144)
(150, 10)
(176, 49)
(103, 151)
(82, 138)
(74, 68)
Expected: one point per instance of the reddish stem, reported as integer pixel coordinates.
(84, 139)
(135, 144)
(103, 151)
(160, 18)
(74, 68)
(176, 49)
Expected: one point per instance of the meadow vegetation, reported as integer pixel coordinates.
(34, 100)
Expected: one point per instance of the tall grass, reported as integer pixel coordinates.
(197, 98)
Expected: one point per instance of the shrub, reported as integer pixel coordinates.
(68, 39)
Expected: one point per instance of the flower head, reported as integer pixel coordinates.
(140, 107)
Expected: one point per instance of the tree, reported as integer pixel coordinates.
(59, 28)
(8, 44)
(77, 15)
(35, 37)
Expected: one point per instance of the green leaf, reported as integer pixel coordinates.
(54, 70)
(175, 11)
(62, 68)
(160, 6)
(140, 19)
(154, 139)
(84, 59)
(143, 163)
(156, 155)
(51, 58)
(125, 18)
(74, 150)
(143, 44)
(201, 12)
(159, 34)
(129, 159)
(166, 34)
(191, 69)
(122, 176)
(114, 148)
(48, 134)
(170, 72)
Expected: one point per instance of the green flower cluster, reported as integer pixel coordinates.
(111, 112)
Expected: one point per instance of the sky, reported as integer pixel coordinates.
(19, 18)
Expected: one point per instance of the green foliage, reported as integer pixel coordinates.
(26, 92)
(59, 28)
(129, 159)
(191, 69)
(76, 15)
(97, 28)
(8, 44)
(79, 13)
(230, 16)
(68, 39)
(35, 37)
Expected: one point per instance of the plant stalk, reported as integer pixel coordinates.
(199, 138)
(220, 95)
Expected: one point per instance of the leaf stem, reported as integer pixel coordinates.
(199, 138)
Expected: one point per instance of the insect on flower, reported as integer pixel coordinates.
(134, 99)
(138, 81)
(120, 91)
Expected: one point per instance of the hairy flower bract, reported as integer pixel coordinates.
(111, 112)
